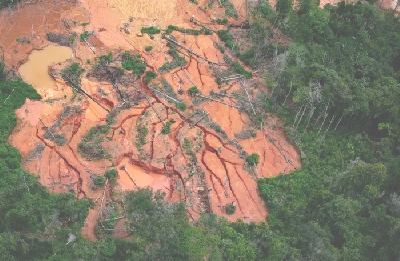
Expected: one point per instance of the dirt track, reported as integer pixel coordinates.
(219, 176)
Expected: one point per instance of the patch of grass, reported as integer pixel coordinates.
(150, 30)
(194, 1)
(185, 30)
(85, 24)
(60, 139)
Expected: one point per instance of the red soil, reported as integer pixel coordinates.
(220, 176)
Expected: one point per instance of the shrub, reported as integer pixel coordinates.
(99, 181)
(85, 35)
(133, 63)
(181, 106)
(72, 74)
(60, 139)
(253, 159)
(240, 70)
(222, 21)
(148, 48)
(150, 75)
(193, 91)
(103, 60)
(112, 173)
(226, 38)
(230, 209)
(142, 132)
(167, 127)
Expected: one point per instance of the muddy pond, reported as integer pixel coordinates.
(35, 70)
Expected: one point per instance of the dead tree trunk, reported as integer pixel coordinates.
(102, 200)
(272, 140)
(47, 128)
(133, 180)
(243, 83)
(90, 47)
(167, 96)
(311, 114)
(151, 105)
(190, 51)
(85, 93)
(338, 123)
(187, 75)
(231, 105)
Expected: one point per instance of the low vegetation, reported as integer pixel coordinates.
(90, 147)
(253, 159)
(167, 127)
(150, 30)
(193, 91)
(177, 60)
(133, 63)
(72, 74)
(141, 134)
(150, 75)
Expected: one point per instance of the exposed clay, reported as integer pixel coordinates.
(218, 176)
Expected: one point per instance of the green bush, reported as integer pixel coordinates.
(85, 35)
(181, 105)
(148, 48)
(142, 132)
(150, 75)
(226, 38)
(133, 63)
(240, 70)
(222, 21)
(99, 181)
(253, 159)
(104, 60)
(230, 209)
(167, 127)
(72, 74)
(112, 173)
(193, 91)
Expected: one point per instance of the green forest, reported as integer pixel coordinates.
(337, 88)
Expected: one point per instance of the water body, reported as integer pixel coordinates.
(35, 70)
